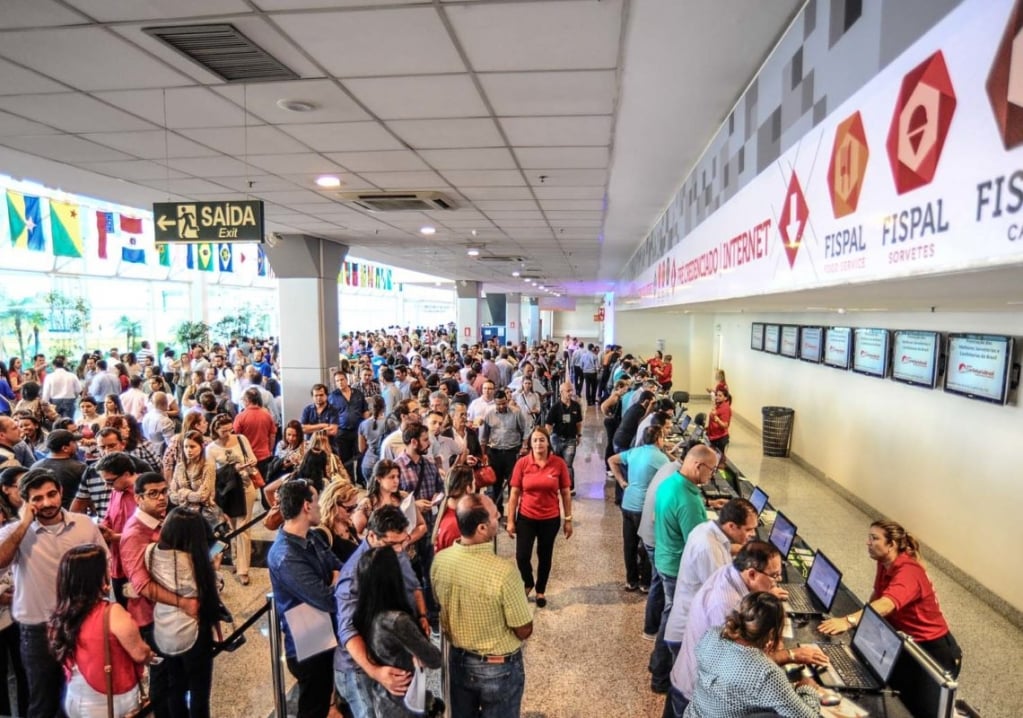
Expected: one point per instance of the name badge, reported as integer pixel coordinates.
(566, 418)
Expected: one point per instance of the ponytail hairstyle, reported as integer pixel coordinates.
(894, 533)
(377, 406)
(758, 621)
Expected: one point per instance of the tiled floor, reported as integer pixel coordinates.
(587, 657)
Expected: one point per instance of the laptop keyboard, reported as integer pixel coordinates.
(852, 673)
(799, 599)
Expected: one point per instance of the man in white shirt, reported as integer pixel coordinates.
(478, 407)
(61, 388)
(157, 427)
(133, 400)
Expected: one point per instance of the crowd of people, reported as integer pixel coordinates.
(126, 480)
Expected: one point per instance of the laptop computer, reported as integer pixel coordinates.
(817, 595)
(781, 535)
(759, 499)
(684, 424)
(866, 664)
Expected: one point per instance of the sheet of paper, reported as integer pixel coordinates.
(311, 630)
(408, 507)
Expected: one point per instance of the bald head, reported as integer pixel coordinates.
(699, 464)
(159, 400)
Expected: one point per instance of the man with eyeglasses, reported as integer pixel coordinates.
(93, 492)
(118, 471)
(757, 567)
(140, 530)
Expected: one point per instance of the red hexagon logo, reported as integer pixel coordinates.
(1005, 81)
(794, 216)
(923, 115)
(848, 165)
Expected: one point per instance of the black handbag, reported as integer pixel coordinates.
(230, 492)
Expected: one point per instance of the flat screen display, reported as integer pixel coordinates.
(772, 334)
(756, 337)
(915, 357)
(790, 341)
(783, 533)
(978, 366)
(810, 344)
(836, 346)
(870, 351)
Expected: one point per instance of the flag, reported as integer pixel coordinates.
(205, 252)
(190, 257)
(131, 245)
(226, 258)
(104, 228)
(164, 251)
(65, 229)
(260, 261)
(24, 219)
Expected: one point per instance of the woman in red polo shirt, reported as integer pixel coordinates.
(904, 595)
(538, 480)
(719, 420)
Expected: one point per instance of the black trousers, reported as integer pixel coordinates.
(315, 676)
(10, 658)
(542, 532)
(946, 652)
(502, 461)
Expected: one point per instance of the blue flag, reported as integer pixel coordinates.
(226, 258)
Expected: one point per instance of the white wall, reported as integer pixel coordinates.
(578, 323)
(687, 337)
(943, 466)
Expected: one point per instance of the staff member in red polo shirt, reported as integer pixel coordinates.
(719, 420)
(538, 479)
(904, 595)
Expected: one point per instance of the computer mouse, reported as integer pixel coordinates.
(830, 698)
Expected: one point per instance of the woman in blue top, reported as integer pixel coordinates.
(370, 432)
(7, 397)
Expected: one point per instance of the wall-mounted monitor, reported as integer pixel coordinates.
(837, 347)
(811, 344)
(870, 351)
(772, 334)
(790, 341)
(978, 366)
(916, 357)
(756, 337)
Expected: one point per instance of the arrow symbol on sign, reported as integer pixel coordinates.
(163, 223)
(795, 223)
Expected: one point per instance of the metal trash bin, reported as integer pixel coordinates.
(777, 431)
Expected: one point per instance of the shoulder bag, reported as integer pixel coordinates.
(108, 671)
(254, 476)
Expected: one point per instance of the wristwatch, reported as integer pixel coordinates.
(851, 621)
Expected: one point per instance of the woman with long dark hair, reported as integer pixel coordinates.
(180, 563)
(81, 627)
(194, 421)
(228, 448)
(719, 419)
(112, 405)
(289, 451)
(14, 375)
(195, 476)
(458, 484)
(7, 395)
(383, 491)
(385, 620)
(371, 431)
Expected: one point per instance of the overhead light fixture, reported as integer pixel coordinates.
(328, 181)
(296, 105)
(475, 233)
(473, 252)
(427, 230)
(516, 274)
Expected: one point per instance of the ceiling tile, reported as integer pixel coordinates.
(72, 112)
(555, 216)
(304, 4)
(416, 97)
(88, 58)
(577, 223)
(307, 181)
(539, 36)
(490, 204)
(260, 183)
(211, 167)
(38, 13)
(591, 192)
(557, 205)
(390, 161)
(403, 180)
(484, 178)
(498, 215)
(12, 125)
(478, 193)
(287, 197)
(440, 134)
(364, 43)
(497, 158)
(15, 80)
(133, 170)
(310, 163)
(551, 93)
(185, 107)
(240, 141)
(594, 177)
(66, 148)
(332, 103)
(344, 136)
(151, 144)
(127, 10)
(510, 223)
(565, 131)
(567, 157)
(188, 187)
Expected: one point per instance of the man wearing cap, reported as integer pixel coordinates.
(63, 448)
(12, 447)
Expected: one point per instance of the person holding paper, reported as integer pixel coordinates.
(303, 571)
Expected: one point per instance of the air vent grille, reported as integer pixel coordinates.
(498, 258)
(223, 50)
(398, 201)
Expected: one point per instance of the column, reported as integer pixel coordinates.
(532, 321)
(307, 301)
(467, 311)
(512, 311)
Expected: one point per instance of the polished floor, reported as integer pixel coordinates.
(587, 656)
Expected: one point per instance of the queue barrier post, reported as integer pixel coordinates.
(277, 659)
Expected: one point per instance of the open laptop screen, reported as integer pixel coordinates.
(782, 535)
(878, 643)
(823, 580)
(759, 500)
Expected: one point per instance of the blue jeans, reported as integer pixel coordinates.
(45, 676)
(654, 599)
(660, 660)
(675, 705)
(637, 563)
(486, 690)
(65, 407)
(356, 688)
(565, 448)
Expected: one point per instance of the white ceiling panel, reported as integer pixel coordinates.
(188, 187)
(239, 141)
(65, 148)
(489, 205)
(344, 136)
(419, 97)
(100, 61)
(269, 5)
(72, 112)
(364, 43)
(484, 178)
(594, 177)
(496, 158)
(556, 216)
(308, 181)
(403, 180)
(133, 170)
(551, 93)
(513, 223)
(151, 144)
(577, 223)
(287, 197)
(310, 163)
(567, 157)
(127, 10)
(183, 107)
(564, 131)
(332, 104)
(12, 125)
(506, 193)
(260, 182)
(37, 13)
(558, 205)
(211, 167)
(15, 80)
(539, 36)
(442, 134)
(592, 192)
(389, 161)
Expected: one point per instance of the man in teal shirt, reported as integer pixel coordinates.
(678, 509)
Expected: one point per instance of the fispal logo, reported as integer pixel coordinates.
(920, 124)
(1005, 81)
(848, 166)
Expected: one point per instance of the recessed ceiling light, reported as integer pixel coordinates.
(542, 287)
(515, 274)
(427, 230)
(296, 105)
(328, 181)
(473, 252)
